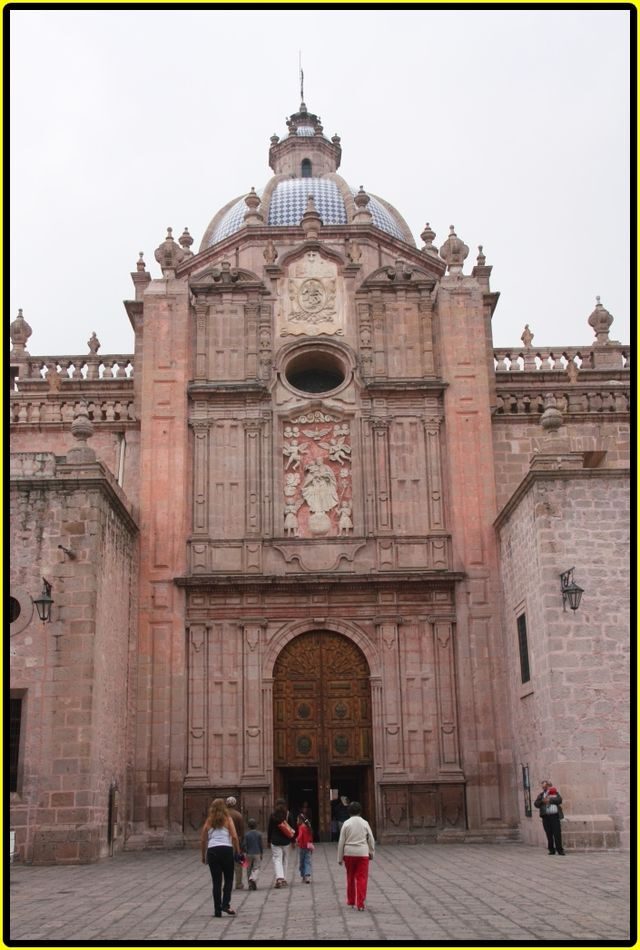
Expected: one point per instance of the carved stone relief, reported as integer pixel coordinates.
(317, 480)
(312, 298)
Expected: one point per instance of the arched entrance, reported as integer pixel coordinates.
(322, 725)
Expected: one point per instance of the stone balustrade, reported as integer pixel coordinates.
(548, 359)
(54, 409)
(575, 399)
(78, 368)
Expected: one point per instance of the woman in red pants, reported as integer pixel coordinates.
(356, 847)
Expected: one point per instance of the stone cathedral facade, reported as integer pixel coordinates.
(307, 540)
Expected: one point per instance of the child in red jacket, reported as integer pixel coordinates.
(304, 841)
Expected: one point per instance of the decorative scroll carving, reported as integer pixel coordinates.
(312, 303)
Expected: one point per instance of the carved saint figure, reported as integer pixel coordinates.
(345, 525)
(319, 488)
(291, 521)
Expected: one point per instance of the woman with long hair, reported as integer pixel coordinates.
(279, 841)
(218, 844)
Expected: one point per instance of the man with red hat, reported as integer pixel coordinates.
(548, 802)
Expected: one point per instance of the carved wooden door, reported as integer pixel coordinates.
(322, 708)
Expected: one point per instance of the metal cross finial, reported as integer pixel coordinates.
(301, 76)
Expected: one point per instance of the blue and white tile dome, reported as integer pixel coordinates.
(288, 203)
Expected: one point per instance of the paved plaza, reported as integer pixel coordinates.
(432, 894)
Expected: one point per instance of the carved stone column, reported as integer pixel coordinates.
(201, 310)
(253, 720)
(251, 319)
(200, 478)
(265, 344)
(365, 341)
(449, 753)
(425, 309)
(381, 466)
(379, 337)
(267, 728)
(253, 482)
(393, 733)
(434, 464)
(197, 736)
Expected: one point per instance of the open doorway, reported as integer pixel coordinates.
(300, 786)
(350, 783)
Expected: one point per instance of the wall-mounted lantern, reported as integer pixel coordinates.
(44, 601)
(570, 590)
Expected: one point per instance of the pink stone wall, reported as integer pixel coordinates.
(72, 673)
(515, 441)
(571, 721)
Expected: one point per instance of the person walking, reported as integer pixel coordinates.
(356, 846)
(304, 841)
(218, 843)
(238, 821)
(548, 802)
(280, 834)
(252, 847)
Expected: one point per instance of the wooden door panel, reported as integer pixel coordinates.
(322, 709)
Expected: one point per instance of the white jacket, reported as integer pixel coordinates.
(356, 838)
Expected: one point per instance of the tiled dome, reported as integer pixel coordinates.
(305, 162)
(288, 203)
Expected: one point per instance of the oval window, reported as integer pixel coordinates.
(315, 371)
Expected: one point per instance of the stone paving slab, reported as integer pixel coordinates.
(430, 894)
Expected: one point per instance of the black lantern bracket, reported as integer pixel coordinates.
(44, 601)
(570, 590)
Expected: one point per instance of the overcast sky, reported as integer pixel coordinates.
(512, 125)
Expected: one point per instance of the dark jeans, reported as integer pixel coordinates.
(551, 825)
(220, 861)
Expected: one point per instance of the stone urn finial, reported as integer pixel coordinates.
(169, 254)
(81, 430)
(481, 260)
(361, 201)
(185, 241)
(19, 333)
(600, 319)
(427, 236)
(140, 264)
(454, 251)
(311, 221)
(252, 201)
(551, 420)
(93, 343)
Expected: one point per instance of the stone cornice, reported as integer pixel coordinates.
(440, 579)
(565, 474)
(241, 386)
(295, 234)
(90, 476)
(435, 385)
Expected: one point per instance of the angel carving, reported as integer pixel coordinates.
(294, 453)
(338, 450)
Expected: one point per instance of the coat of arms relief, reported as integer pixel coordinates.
(317, 476)
(312, 302)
